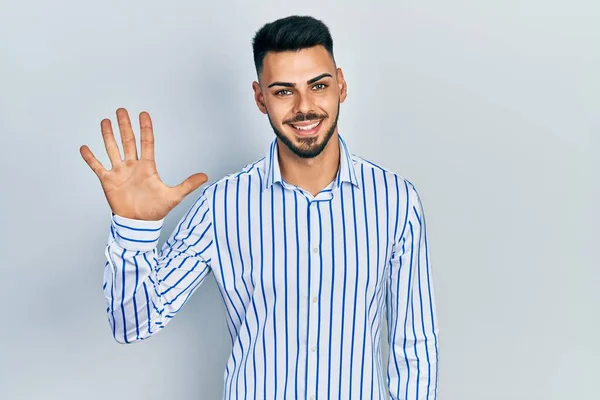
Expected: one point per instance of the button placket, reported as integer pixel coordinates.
(313, 299)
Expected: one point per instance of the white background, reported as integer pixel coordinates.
(491, 108)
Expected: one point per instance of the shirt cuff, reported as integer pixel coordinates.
(135, 234)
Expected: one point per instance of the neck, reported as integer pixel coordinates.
(310, 174)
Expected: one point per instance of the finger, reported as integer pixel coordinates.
(147, 137)
(127, 136)
(190, 184)
(109, 142)
(94, 164)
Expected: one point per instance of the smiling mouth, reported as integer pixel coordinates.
(307, 129)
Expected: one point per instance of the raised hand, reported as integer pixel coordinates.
(132, 187)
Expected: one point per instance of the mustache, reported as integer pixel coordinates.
(305, 117)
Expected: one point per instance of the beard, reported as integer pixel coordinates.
(309, 147)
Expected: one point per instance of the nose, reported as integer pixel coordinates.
(303, 103)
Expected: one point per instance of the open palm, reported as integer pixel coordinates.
(133, 187)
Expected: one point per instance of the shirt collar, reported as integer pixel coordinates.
(346, 171)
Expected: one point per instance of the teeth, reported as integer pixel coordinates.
(308, 127)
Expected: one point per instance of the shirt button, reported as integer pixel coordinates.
(315, 299)
(314, 348)
(312, 397)
(316, 250)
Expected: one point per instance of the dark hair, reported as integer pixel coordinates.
(290, 33)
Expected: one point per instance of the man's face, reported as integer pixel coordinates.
(301, 91)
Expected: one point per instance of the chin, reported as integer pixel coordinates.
(307, 145)
(309, 142)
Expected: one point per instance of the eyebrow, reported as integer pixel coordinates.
(308, 82)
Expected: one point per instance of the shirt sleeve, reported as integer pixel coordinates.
(143, 287)
(411, 313)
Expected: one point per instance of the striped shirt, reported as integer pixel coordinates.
(306, 281)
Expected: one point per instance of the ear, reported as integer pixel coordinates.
(259, 97)
(342, 87)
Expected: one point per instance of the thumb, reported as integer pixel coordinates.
(192, 183)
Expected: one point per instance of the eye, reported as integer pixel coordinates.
(319, 86)
(283, 92)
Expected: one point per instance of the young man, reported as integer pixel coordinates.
(311, 246)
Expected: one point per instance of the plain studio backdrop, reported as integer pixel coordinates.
(491, 108)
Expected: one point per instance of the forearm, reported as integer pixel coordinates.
(412, 371)
(130, 294)
(145, 288)
(413, 359)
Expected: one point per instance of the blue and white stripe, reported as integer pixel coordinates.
(306, 281)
